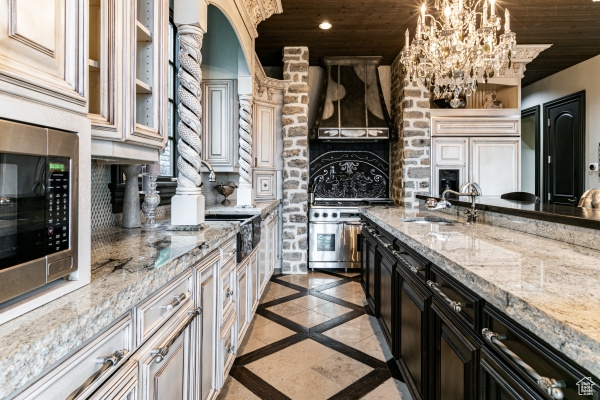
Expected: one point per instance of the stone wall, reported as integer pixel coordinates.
(410, 155)
(295, 161)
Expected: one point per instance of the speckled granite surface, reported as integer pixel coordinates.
(260, 208)
(548, 286)
(127, 266)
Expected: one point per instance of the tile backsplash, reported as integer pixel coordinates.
(102, 215)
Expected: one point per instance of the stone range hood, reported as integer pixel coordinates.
(352, 107)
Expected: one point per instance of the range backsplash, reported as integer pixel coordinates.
(350, 170)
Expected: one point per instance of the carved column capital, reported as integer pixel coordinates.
(189, 128)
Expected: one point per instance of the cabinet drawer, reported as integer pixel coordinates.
(503, 337)
(152, 313)
(92, 361)
(410, 261)
(264, 182)
(123, 385)
(228, 251)
(457, 298)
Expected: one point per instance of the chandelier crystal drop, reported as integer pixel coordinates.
(463, 46)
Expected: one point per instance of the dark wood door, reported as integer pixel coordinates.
(455, 357)
(564, 149)
(386, 294)
(413, 332)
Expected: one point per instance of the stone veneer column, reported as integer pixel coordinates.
(410, 169)
(295, 161)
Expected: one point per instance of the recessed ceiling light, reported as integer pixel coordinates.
(325, 25)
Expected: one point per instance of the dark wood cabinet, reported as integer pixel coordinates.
(412, 332)
(387, 297)
(370, 259)
(455, 357)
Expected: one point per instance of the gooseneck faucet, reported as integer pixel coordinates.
(212, 177)
(470, 189)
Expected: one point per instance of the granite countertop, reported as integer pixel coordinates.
(260, 208)
(128, 265)
(576, 216)
(548, 286)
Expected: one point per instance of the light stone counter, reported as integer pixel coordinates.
(128, 265)
(550, 287)
(260, 208)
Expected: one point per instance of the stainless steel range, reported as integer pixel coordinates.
(334, 232)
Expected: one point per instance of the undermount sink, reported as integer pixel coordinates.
(429, 220)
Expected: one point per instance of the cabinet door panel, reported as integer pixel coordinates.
(495, 164)
(264, 135)
(219, 142)
(373, 284)
(455, 358)
(241, 299)
(264, 185)
(123, 385)
(386, 297)
(206, 333)
(42, 58)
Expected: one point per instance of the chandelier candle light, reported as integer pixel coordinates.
(453, 55)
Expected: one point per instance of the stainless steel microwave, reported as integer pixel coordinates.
(39, 189)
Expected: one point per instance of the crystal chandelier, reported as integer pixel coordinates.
(458, 49)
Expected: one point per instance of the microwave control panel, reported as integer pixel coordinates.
(58, 194)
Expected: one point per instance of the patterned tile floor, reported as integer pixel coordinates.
(313, 338)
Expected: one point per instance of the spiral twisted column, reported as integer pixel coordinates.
(189, 127)
(245, 132)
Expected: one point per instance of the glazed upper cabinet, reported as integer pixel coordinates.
(42, 52)
(127, 70)
(219, 121)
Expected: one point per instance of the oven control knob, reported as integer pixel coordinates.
(325, 215)
(334, 215)
(316, 215)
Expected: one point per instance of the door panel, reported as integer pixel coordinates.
(495, 165)
(564, 135)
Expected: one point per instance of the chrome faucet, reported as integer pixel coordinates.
(212, 177)
(470, 189)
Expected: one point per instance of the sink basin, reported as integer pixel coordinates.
(429, 220)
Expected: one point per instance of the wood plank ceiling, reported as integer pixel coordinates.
(376, 27)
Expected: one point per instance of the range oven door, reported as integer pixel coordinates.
(325, 242)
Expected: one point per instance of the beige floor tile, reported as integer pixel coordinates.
(276, 368)
(313, 283)
(259, 320)
(347, 334)
(278, 291)
(309, 302)
(374, 346)
(320, 275)
(391, 389)
(350, 274)
(233, 390)
(308, 352)
(309, 385)
(287, 309)
(250, 344)
(300, 280)
(366, 322)
(356, 298)
(270, 333)
(354, 286)
(338, 292)
(331, 310)
(342, 369)
(309, 318)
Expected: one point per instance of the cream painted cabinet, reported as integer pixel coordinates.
(123, 385)
(264, 135)
(492, 162)
(42, 52)
(242, 298)
(127, 77)
(205, 385)
(495, 164)
(219, 121)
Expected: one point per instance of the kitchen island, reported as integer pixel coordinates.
(546, 286)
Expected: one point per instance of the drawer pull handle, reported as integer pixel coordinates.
(177, 301)
(107, 363)
(232, 253)
(549, 385)
(229, 293)
(406, 264)
(454, 305)
(161, 353)
(231, 350)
